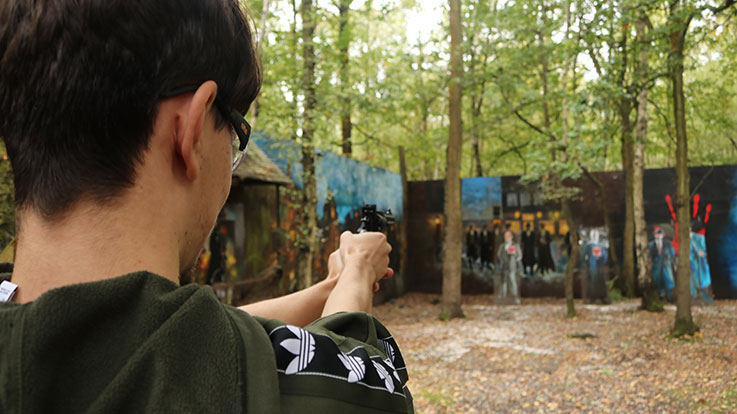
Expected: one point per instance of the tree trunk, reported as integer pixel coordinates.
(477, 170)
(262, 34)
(571, 266)
(309, 212)
(628, 252)
(294, 52)
(402, 277)
(544, 69)
(650, 299)
(476, 104)
(606, 213)
(684, 324)
(452, 244)
(572, 260)
(344, 41)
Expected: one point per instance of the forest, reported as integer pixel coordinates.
(549, 90)
(530, 70)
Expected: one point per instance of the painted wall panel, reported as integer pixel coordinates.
(716, 187)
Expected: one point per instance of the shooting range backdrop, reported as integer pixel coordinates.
(506, 203)
(261, 219)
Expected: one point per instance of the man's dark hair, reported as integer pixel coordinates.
(80, 82)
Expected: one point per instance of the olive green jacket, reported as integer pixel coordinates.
(141, 344)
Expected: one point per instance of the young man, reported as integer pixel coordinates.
(119, 119)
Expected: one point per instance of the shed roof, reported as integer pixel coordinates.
(260, 168)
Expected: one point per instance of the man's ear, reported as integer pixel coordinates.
(190, 126)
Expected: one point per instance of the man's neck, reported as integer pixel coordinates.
(91, 244)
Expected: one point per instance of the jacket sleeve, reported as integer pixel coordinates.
(346, 362)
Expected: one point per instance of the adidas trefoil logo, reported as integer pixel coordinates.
(384, 375)
(388, 348)
(303, 347)
(355, 366)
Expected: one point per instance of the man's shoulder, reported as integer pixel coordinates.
(126, 345)
(347, 362)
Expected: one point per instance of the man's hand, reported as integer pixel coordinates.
(362, 261)
(367, 249)
(335, 265)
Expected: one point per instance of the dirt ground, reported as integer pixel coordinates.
(531, 359)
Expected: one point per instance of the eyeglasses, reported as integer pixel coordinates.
(240, 125)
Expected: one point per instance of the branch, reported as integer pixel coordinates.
(531, 125)
(703, 180)
(516, 149)
(734, 143)
(625, 56)
(665, 120)
(595, 60)
(727, 4)
(368, 135)
(651, 82)
(523, 119)
(591, 177)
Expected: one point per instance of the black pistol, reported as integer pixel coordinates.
(372, 220)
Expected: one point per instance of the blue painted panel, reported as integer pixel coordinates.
(479, 196)
(351, 183)
(727, 245)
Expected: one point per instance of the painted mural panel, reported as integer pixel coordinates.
(344, 186)
(726, 247)
(350, 183)
(713, 190)
(481, 198)
(537, 224)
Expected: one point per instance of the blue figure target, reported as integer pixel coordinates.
(700, 272)
(595, 260)
(663, 256)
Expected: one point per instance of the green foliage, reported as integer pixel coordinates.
(655, 305)
(398, 85)
(615, 295)
(7, 208)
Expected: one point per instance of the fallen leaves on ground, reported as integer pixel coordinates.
(531, 359)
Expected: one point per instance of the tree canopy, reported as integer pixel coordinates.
(526, 63)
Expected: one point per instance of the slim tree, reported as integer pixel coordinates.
(680, 15)
(479, 54)
(628, 252)
(309, 200)
(262, 36)
(679, 27)
(452, 244)
(344, 42)
(644, 267)
(564, 143)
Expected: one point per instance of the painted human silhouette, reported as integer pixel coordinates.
(545, 257)
(700, 272)
(700, 278)
(509, 257)
(529, 243)
(663, 256)
(596, 260)
(694, 215)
